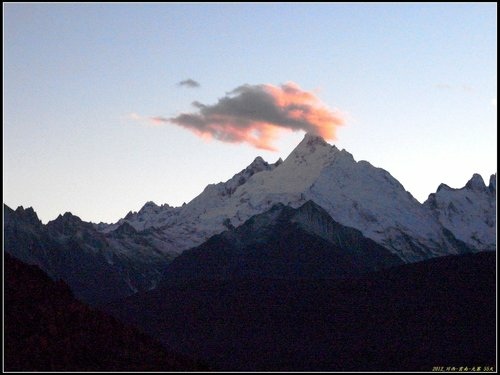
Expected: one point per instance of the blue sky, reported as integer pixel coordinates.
(417, 83)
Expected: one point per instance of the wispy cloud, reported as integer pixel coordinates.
(191, 83)
(257, 114)
(134, 116)
(447, 86)
(145, 120)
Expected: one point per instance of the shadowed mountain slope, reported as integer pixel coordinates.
(439, 312)
(46, 329)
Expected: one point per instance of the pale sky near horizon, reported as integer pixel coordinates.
(417, 84)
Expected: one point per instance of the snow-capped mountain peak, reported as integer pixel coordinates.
(310, 145)
(312, 140)
(354, 193)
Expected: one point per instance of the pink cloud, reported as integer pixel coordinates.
(258, 114)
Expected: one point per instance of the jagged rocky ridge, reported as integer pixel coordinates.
(98, 267)
(112, 260)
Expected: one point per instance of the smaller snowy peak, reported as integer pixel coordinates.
(476, 183)
(469, 212)
(148, 216)
(215, 196)
(278, 162)
(258, 165)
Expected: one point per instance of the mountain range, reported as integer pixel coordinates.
(319, 213)
(317, 262)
